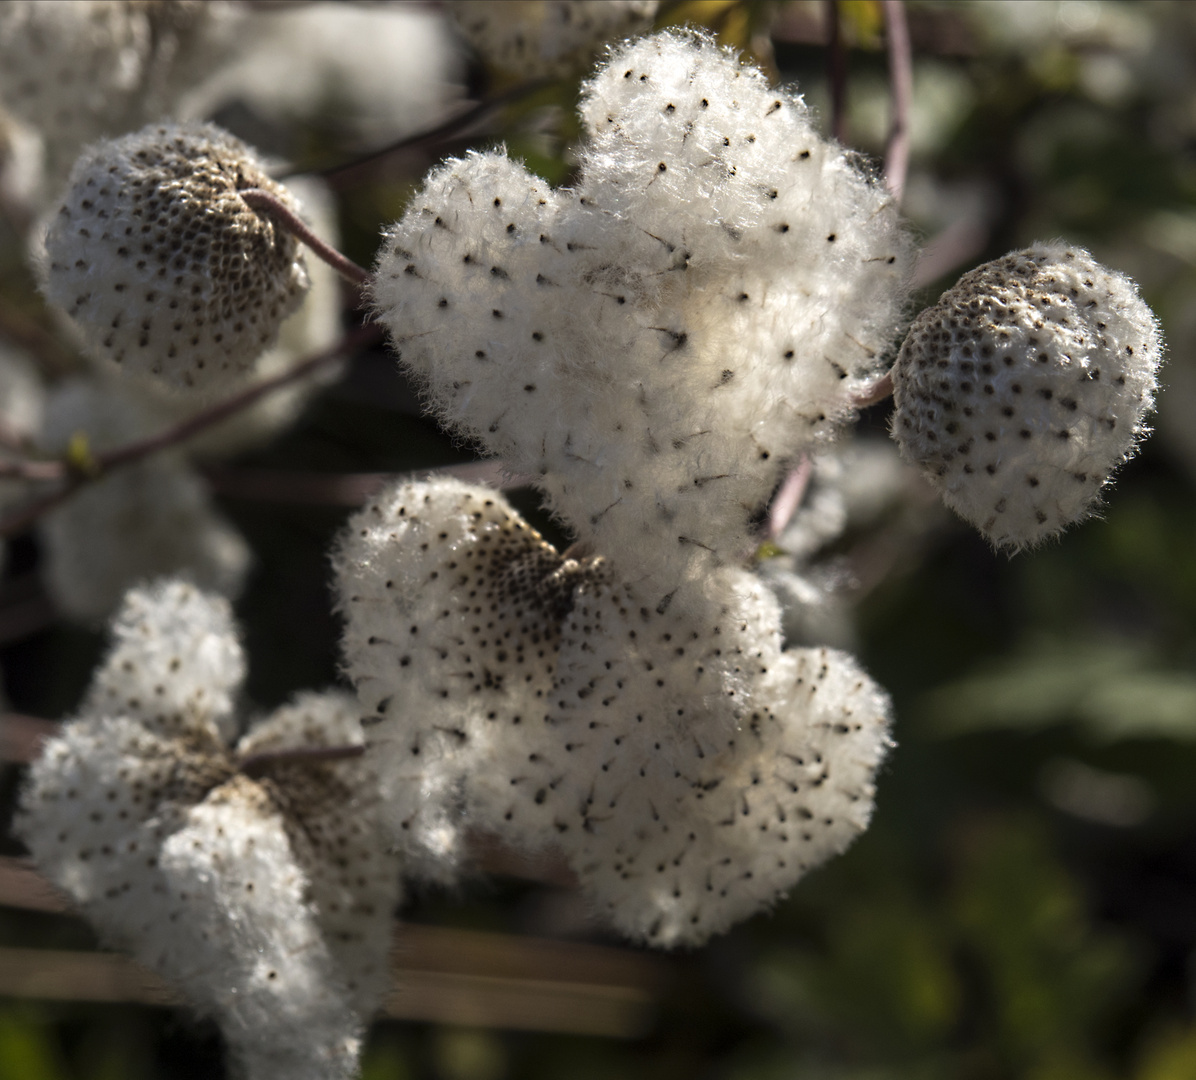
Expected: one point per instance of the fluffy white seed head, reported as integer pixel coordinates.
(538, 38)
(265, 894)
(175, 661)
(453, 607)
(187, 866)
(659, 343)
(160, 262)
(333, 817)
(100, 800)
(245, 944)
(1021, 391)
(688, 769)
(146, 520)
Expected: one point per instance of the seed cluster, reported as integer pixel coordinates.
(658, 344)
(453, 607)
(90, 68)
(1022, 390)
(688, 769)
(267, 899)
(539, 38)
(160, 262)
(73, 69)
(330, 817)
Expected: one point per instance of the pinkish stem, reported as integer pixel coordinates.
(789, 497)
(901, 87)
(266, 203)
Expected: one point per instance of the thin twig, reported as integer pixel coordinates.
(120, 456)
(16, 523)
(264, 202)
(454, 125)
(901, 89)
(258, 764)
(13, 439)
(959, 245)
(441, 975)
(36, 339)
(789, 496)
(837, 62)
(344, 489)
(360, 338)
(27, 469)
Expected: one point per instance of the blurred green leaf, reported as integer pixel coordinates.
(890, 963)
(469, 1054)
(26, 1049)
(1107, 687)
(1169, 1057)
(385, 1059)
(1053, 978)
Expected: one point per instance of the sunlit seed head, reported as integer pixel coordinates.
(163, 266)
(1023, 389)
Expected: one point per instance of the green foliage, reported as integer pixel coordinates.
(1053, 979)
(1108, 688)
(27, 1048)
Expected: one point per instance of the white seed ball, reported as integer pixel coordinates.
(1022, 390)
(160, 262)
(315, 327)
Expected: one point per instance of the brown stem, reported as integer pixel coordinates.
(257, 764)
(30, 335)
(26, 469)
(132, 452)
(16, 523)
(21, 736)
(878, 391)
(901, 88)
(494, 857)
(837, 62)
(264, 202)
(343, 489)
(959, 245)
(360, 338)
